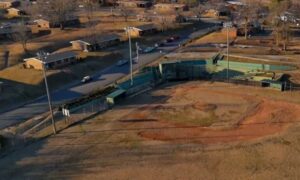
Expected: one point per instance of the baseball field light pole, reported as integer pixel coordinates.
(43, 56)
(227, 25)
(127, 30)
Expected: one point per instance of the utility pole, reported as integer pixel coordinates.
(42, 56)
(227, 54)
(137, 52)
(127, 29)
(227, 25)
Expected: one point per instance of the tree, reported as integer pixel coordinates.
(279, 21)
(21, 34)
(57, 11)
(90, 7)
(125, 12)
(247, 13)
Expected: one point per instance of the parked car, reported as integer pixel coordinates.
(175, 38)
(122, 62)
(149, 49)
(168, 40)
(86, 79)
(160, 44)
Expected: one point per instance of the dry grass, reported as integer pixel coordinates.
(216, 37)
(107, 147)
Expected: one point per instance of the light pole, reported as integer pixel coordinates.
(127, 29)
(227, 25)
(42, 56)
(137, 52)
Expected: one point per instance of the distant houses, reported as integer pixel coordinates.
(95, 43)
(172, 18)
(69, 22)
(171, 7)
(52, 61)
(142, 30)
(134, 4)
(5, 4)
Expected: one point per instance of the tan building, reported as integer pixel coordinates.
(93, 44)
(142, 30)
(41, 23)
(171, 7)
(5, 4)
(134, 4)
(52, 61)
(13, 12)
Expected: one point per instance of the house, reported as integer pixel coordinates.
(218, 12)
(69, 22)
(139, 4)
(52, 61)
(171, 7)
(174, 18)
(14, 12)
(92, 44)
(42, 23)
(142, 30)
(4, 4)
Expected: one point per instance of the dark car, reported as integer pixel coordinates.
(175, 38)
(160, 44)
(169, 40)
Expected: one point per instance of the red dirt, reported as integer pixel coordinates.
(271, 117)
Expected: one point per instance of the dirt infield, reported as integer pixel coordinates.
(201, 114)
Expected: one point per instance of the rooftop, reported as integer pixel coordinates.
(56, 56)
(145, 27)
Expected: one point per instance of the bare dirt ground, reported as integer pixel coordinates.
(194, 130)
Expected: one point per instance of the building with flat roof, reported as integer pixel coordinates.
(142, 30)
(52, 61)
(96, 43)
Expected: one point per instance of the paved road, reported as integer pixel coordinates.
(103, 78)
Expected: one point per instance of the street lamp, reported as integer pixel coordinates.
(43, 56)
(227, 25)
(127, 30)
(137, 51)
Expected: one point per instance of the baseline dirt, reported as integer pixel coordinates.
(179, 119)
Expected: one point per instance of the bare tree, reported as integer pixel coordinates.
(21, 34)
(57, 11)
(248, 13)
(125, 12)
(279, 23)
(90, 7)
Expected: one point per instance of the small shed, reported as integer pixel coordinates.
(52, 61)
(92, 44)
(115, 96)
(142, 30)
